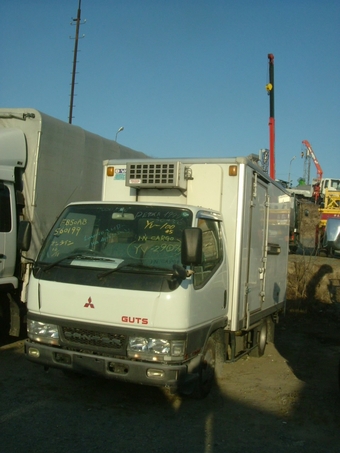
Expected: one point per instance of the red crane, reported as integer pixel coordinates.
(311, 153)
(319, 171)
(270, 90)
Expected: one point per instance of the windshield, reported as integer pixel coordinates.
(111, 235)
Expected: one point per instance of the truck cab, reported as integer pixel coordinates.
(129, 262)
(13, 157)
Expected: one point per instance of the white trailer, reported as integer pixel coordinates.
(44, 164)
(182, 266)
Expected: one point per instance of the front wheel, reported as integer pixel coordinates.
(206, 373)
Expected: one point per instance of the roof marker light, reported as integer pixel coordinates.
(110, 171)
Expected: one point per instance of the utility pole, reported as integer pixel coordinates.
(76, 39)
(270, 91)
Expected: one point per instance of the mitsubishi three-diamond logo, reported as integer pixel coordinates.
(89, 303)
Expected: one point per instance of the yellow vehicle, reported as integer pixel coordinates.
(330, 210)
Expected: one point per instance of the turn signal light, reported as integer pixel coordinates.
(33, 352)
(153, 373)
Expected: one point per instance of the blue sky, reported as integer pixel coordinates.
(184, 78)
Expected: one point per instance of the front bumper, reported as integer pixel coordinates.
(147, 373)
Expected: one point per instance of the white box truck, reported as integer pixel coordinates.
(45, 163)
(182, 266)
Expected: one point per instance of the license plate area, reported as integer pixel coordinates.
(93, 365)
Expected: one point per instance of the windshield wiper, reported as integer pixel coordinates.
(55, 263)
(120, 266)
(79, 257)
(138, 267)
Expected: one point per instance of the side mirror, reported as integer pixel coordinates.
(192, 246)
(24, 235)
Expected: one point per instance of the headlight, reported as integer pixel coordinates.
(155, 349)
(42, 332)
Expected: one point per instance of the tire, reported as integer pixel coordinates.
(270, 329)
(260, 334)
(206, 373)
(220, 353)
(5, 319)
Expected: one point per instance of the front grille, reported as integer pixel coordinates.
(93, 338)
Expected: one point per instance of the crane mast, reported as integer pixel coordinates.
(270, 91)
(310, 153)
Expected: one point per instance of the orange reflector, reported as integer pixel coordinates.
(233, 170)
(110, 171)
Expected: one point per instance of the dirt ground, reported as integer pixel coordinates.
(286, 401)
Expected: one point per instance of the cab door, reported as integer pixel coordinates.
(8, 232)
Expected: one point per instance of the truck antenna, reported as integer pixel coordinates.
(77, 21)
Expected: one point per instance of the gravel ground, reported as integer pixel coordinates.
(286, 401)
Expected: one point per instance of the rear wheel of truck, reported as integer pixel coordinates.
(206, 375)
(260, 339)
(271, 322)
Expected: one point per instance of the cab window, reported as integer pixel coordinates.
(5, 210)
(212, 251)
